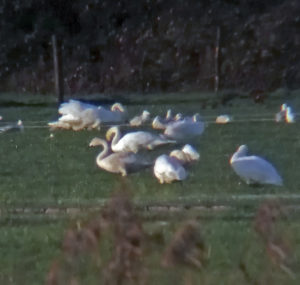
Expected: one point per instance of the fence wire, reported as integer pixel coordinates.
(208, 120)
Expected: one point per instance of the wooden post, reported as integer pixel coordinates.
(58, 73)
(217, 50)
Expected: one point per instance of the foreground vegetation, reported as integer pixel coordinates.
(50, 184)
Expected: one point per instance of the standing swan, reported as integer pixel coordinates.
(120, 162)
(134, 141)
(254, 169)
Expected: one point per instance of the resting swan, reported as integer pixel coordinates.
(134, 141)
(168, 169)
(254, 169)
(77, 115)
(185, 129)
(139, 120)
(161, 123)
(187, 155)
(120, 162)
(223, 119)
(18, 126)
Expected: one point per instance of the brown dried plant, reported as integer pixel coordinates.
(81, 247)
(186, 248)
(126, 261)
(277, 245)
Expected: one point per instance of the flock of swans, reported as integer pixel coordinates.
(120, 153)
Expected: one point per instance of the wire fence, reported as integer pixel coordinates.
(208, 120)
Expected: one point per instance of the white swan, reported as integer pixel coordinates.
(187, 155)
(280, 116)
(168, 169)
(223, 119)
(289, 115)
(116, 114)
(160, 123)
(77, 115)
(119, 162)
(254, 169)
(134, 141)
(185, 129)
(18, 126)
(140, 120)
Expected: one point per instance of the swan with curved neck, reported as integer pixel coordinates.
(134, 141)
(121, 162)
(254, 169)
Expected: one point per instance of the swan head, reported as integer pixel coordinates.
(117, 107)
(111, 132)
(97, 141)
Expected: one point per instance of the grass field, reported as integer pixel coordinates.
(47, 184)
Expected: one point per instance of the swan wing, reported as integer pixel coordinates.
(133, 141)
(69, 118)
(184, 129)
(74, 107)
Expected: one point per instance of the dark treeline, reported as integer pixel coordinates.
(150, 45)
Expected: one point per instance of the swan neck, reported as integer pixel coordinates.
(238, 154)
(104, 151)
(116, 136)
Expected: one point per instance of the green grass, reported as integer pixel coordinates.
(37, 172)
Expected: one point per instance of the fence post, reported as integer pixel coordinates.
(217, 51)
(58, 73)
